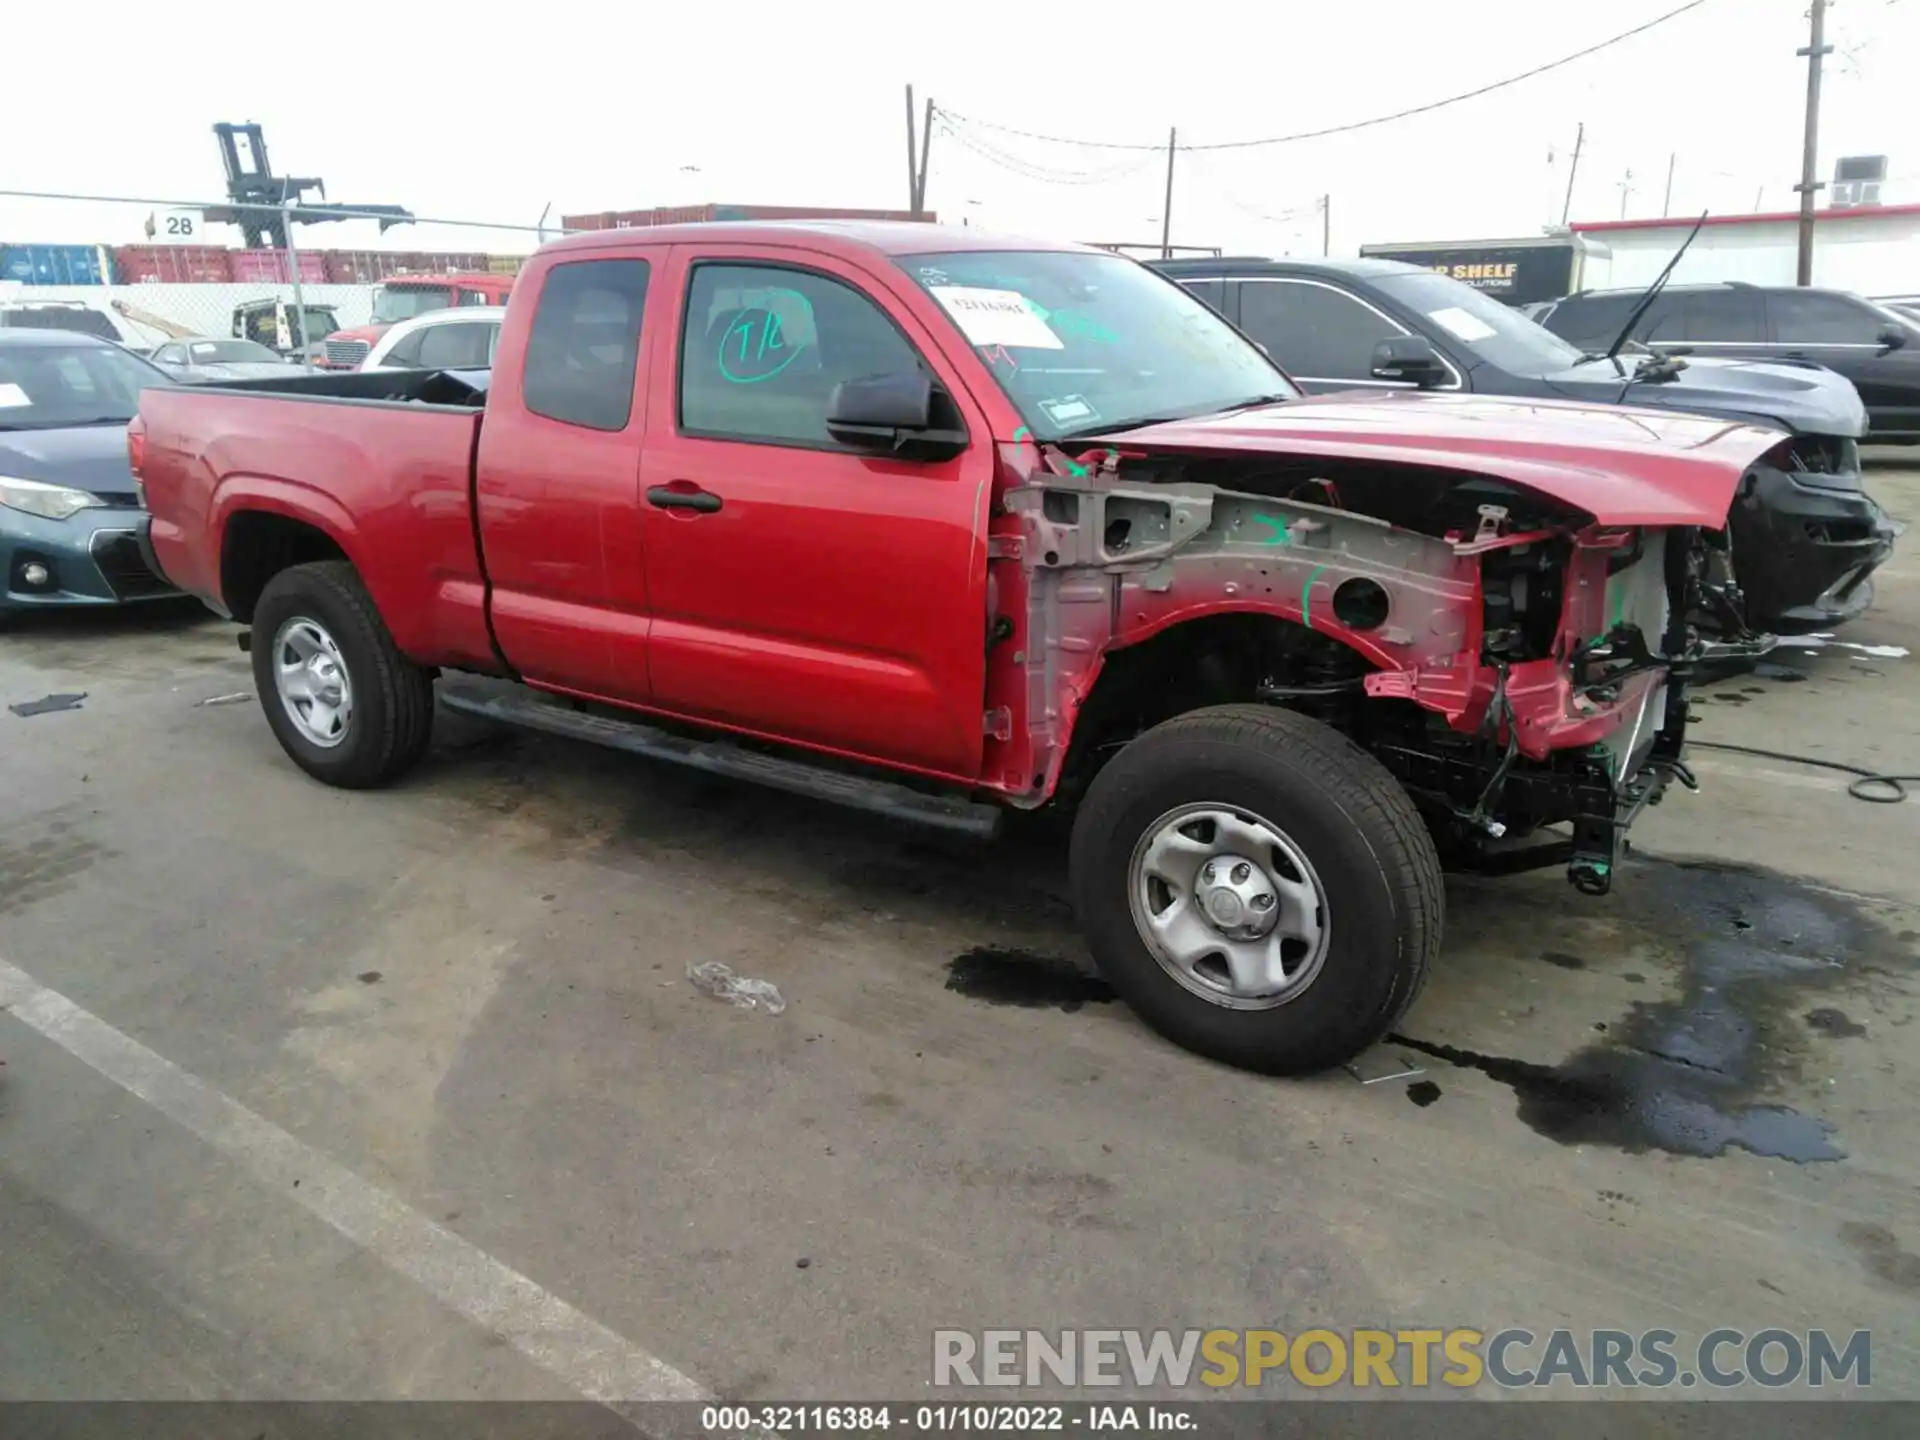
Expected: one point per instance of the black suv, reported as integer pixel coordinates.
(1805, 536)
(1875, 346)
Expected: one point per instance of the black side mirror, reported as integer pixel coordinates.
(1408, 358)
(1891, 338)
(891, 414)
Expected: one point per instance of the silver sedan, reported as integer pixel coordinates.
(212, 360)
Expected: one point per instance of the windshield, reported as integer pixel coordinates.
(392, 306)
(320, 321)
(230, 352)
(1489, 331)
(1086, 343)
(45, 387)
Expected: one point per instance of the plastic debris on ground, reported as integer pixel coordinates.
(238, 697)
(49, 704)
(710, 977)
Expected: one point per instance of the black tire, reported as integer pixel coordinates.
(392, 716)
(1339, 807)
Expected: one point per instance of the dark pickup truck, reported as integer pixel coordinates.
(937, 524)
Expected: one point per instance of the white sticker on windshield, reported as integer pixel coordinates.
(1464, 326)
(995, 317)
(1069, 410)
(204, 348)
(12, 397)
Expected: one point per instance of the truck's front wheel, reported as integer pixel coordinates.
(1257, 888)
(344, 703)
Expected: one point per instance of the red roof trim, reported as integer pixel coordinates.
(1682, 222)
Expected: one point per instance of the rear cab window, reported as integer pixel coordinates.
(584, 347)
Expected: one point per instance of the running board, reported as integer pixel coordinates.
(533, 711)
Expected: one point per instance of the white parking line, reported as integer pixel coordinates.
(575, 1349)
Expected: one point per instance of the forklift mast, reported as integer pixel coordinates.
(258, 195)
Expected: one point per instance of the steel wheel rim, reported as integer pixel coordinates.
(1229, 905)
(311, 679)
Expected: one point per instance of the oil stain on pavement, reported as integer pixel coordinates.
(1019, 977)
(1686, 1075)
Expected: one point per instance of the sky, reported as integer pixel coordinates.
(604, 107)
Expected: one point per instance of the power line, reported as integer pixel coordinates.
(1046, 174)
(1353, 125)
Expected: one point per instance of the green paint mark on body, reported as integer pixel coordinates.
(1277, 524)
(1306, 593)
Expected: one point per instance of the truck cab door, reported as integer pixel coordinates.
(798, 588)
(555, 479)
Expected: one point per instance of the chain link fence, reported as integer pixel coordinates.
(167, 281)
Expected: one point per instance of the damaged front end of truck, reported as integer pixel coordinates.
(1518, 663)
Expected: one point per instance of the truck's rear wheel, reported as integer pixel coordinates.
(1257, 888)
(344, 703)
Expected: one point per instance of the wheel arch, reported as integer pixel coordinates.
(262, 534)
(1195, 659)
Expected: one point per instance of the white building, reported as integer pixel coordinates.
(1871, 250)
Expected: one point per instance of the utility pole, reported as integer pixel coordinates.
(1626, 189)
(926, 144)
(1579, 137)
(1166, 210)
(1816, 49)
(1326, 224)
(1666, 205)
(913, 174)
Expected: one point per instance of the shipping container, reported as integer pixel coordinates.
(55, 264)
(364, 267)
(172, 265)
(271, 266)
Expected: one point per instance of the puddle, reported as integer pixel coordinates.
(1693, 1075)
(1020, 977)
(1808, 644)
(1774, 670)
(1563, 960)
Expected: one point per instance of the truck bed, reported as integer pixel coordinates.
(446, 389)
(392, 491)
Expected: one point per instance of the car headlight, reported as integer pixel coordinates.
(49, 502)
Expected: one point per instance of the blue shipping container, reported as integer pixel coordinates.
(52, 265)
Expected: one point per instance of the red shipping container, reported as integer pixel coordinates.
(270, 266)
(173, 264)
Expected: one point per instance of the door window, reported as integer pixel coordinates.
(585, 344)
(1725, 317)
(761, 350)
(405, 354)
(454, 347)
(1214, 292)
(1807, 317)
(1315, 331)
(1590, 321)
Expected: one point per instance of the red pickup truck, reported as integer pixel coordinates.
(935, 523)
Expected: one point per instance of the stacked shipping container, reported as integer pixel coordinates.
(172, 264)
(271, 266)
(56, 264)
